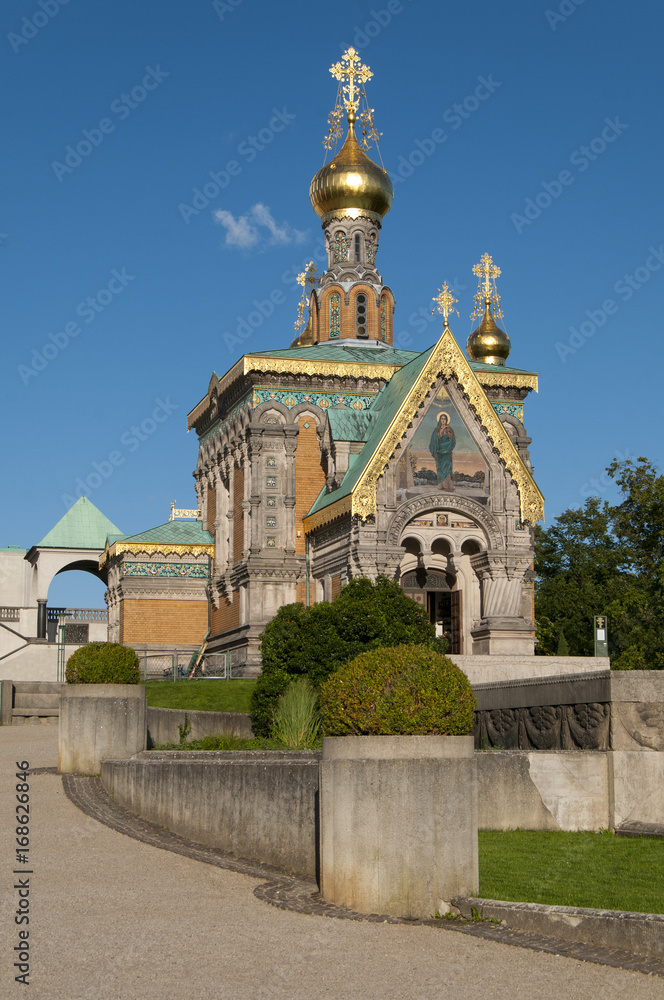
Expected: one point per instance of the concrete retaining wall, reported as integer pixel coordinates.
(540, 790)
(639, 933)
(261, 806)
(163, 725)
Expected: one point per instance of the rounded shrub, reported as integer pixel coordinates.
(403, 690)
(312, 642)
(103, 663)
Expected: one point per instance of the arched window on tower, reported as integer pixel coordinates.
(335, 313)
(383, 318)
(340, 248)
(361, 315)
(357, 248)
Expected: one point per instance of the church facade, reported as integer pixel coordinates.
(341, 456)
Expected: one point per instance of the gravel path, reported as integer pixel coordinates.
(115, 918)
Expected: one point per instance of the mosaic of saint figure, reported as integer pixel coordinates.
(441, 446)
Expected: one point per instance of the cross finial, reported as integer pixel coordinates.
(487, 272)
(445, 302)
(348, 70)
(307, 278)
(352, 74)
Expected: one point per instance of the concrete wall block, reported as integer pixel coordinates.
(398, 831)
(637, 725)
(563, 790)
(638, 787)
(163, 725)
(257, 808)
(99, 722)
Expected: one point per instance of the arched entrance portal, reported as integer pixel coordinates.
(434, 592)
(439, 541)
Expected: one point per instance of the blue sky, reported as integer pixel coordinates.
(121, 294)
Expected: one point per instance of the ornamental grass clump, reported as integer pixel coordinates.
(103, 663)
(403, 690)
(296, 721)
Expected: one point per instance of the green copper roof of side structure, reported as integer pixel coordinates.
(383, 411)
(173, 532)
(82, 527)
(482, 366)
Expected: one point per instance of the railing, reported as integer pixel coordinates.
(176, 665)
(10, 614)
(77, 614)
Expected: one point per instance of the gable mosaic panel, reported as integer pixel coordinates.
(442, 455)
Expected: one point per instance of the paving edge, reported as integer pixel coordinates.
(299, 893)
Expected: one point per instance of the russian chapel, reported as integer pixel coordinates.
(341, 456)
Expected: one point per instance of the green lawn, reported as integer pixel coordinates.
(201, 696)
(573, 869)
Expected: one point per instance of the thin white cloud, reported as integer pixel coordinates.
(244, 232)
(239, 232)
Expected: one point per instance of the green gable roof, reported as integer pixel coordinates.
(353, 425)
(173, 532)
(383, 411)
(342, 353)
(82, 527)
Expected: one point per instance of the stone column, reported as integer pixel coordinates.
(41, 618)
(502, 628)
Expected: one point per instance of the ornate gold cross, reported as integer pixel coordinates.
(445, 302)
(308, 279)
(349, 69)
(487, 272)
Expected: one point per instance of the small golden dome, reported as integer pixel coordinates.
(488, 343)
(351, 182)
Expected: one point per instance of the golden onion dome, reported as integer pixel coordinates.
(351, 182)
(488, 343)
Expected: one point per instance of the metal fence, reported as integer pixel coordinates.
(178, 664)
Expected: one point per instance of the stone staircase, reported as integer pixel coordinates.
(30, 703)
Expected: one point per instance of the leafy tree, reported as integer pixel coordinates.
(606, 559)
(579, 567)
(314, 641)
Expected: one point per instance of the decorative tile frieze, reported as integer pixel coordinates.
(178, 570)
(509, 409)
(290, 398)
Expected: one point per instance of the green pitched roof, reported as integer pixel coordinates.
(341, 353)
(353, 425)
(173, 532)
(82, 527)
(383, 411)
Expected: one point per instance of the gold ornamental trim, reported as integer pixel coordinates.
(151, 548)
(523, 380)
(297, 366)
(328, 514)
(447, 360)
(289, 366)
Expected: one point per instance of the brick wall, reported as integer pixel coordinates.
(211, 509)
(226, 616)
(163, 622)
(309, 476)
(336, 587)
